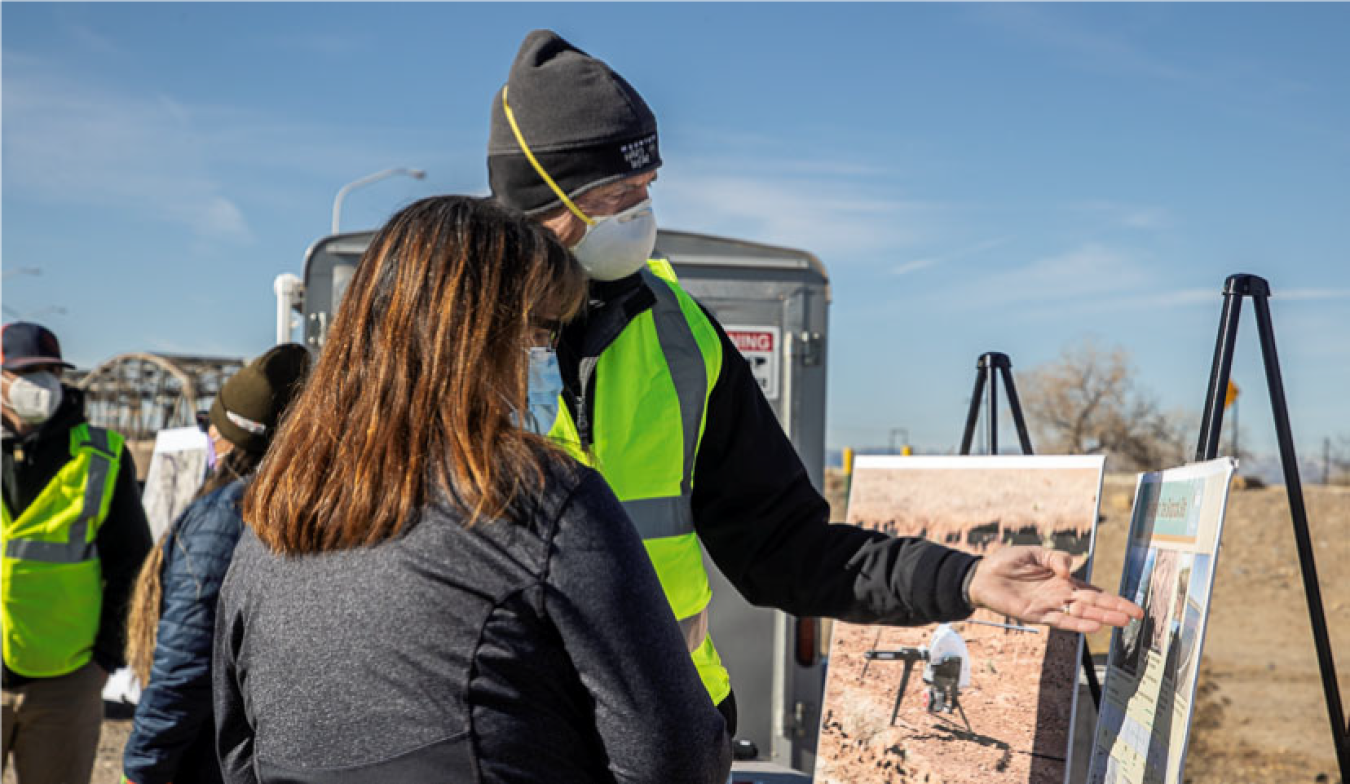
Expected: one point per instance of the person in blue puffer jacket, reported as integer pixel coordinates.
(172, 618)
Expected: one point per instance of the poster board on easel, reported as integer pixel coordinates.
(1151, 672)
(1006, 714)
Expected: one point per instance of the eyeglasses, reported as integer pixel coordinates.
(546, 332)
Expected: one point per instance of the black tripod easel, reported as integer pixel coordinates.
(990, 367)
(1235, 288)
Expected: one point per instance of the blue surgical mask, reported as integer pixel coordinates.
(545, 387)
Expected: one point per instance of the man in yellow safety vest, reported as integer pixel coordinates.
(73, 538)
(648, 389)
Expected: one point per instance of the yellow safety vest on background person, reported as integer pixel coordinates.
(651, 399)
(52, 594)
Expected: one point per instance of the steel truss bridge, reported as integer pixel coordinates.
(139, 394)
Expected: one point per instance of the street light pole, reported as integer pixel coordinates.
(416, 174)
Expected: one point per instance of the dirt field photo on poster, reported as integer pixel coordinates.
(889, 715)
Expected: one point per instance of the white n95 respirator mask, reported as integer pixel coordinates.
(35, 397)
(615, 246)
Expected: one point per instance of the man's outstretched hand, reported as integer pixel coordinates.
(1035, 585)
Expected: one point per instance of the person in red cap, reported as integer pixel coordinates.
(73, 538)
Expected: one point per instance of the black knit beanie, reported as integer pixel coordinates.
(583, 122)
(250, 404)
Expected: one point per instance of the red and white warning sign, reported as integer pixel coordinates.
(761, 347)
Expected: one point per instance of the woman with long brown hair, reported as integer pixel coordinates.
(429, 591)
(171, 623)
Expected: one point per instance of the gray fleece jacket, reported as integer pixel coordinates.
(536, 650)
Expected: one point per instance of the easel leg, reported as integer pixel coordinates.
(1302, 539)
(973, 415)
(1235, 288)
(1090, 672)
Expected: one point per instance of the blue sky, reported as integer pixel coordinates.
(976, 177)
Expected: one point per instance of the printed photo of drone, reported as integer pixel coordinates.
(946, 669)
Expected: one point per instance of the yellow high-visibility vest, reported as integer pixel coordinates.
(651, 398)
(52, 593)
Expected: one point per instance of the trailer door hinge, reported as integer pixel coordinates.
(811, 347)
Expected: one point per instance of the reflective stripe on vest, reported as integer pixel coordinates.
(687, 371)
(650, 398)
(79, 546)
(657, 517)
(673, 515)
(52, 592)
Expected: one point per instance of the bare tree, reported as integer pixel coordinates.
(1087, 402)
(1338, 470)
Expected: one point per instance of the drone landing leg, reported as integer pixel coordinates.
(900, 695)
(956, 703)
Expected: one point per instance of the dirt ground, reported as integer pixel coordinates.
(108, 766)
(997, 731)
(1261, 715)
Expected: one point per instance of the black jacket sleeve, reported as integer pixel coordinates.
(768, 529)
(652, 713)
(123, 542)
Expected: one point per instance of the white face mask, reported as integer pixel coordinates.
(35, 397)
(618, 245)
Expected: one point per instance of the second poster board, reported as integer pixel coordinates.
(1151, 671)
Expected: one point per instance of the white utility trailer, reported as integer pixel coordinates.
(774, 303)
